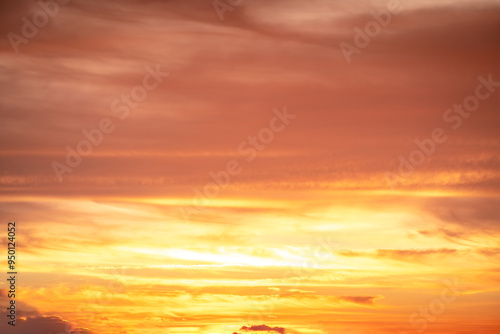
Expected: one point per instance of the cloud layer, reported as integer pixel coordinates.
(310, 234)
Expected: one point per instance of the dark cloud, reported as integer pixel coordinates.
(363, 300)
(263, 328)
(41, 325)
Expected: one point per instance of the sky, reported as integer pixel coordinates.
(250, 166)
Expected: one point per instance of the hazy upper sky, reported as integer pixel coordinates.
(340, 215)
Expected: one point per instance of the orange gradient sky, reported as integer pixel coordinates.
(315, 227)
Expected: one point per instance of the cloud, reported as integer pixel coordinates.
(467, 215)
(399, 254)
(263, 328)
(226, 77)
(23, 309)
(363, 300)
(403, 254)
(42, 325)
(489, 251)
(165, 142)
(29, 320)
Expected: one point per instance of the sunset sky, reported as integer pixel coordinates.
(251, 166)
